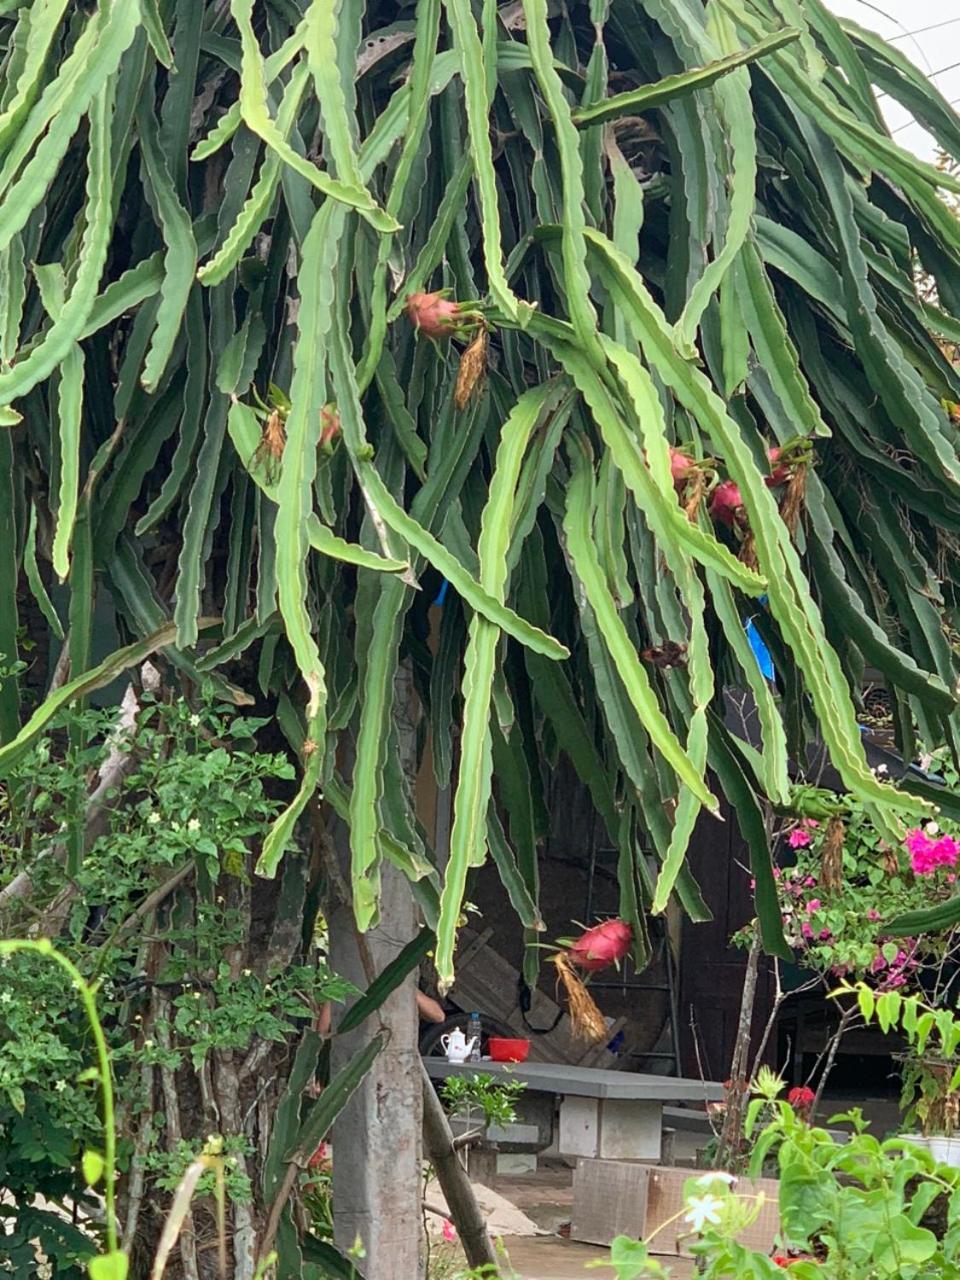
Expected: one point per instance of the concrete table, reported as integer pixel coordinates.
(609, 1115)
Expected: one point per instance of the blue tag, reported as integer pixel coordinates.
(760, 652)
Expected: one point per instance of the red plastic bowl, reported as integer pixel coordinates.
(503, 1050)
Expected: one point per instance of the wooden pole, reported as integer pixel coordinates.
(454, 1183)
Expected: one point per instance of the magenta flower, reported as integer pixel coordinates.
(812, 906)
(798, 838)
(873, 914)
(927, 855)
(449, 1231)
(806, 931)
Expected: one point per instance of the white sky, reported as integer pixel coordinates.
(935, 51)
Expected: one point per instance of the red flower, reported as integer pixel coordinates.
(320, 1157)
(801, 1098)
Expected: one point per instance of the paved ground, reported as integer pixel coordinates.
(547, 1258)
(546, 1198)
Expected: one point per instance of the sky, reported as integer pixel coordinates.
(934, 47)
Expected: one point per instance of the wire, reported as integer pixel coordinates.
(943, 71)
(907, 34)
(901, 127)
(935, 26)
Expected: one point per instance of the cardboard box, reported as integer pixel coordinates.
(624, 1198)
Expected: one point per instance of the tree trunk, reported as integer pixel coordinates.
(454, 1181)
(731, 1137)
(377, 1138)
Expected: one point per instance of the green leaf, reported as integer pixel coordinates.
(93, 1167)
(36, 583)
(180, 257)
(68, 325)
(331, 1102)
(387, 981)
(656, 94)
(468, 837)
(256, 115)
(110, 1266)
(103, 674)
(474, 74)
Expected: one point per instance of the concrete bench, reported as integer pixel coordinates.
(609, 1115)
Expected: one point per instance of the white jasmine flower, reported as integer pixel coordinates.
(153, 818)
(194, 721)
(193, 824)
(703, 1210)
(60, 1086)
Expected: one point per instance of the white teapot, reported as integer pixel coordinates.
(456, 1045)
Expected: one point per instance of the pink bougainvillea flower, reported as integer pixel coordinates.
(927, 855)
(916, 840)
(798, 839)
(812, 906)
(809, 882)
(806, 931)
(449, 1231)
(873, 913)
(825, 935)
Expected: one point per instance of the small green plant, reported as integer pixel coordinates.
(858, 1209)
(482, 1096)
(931, 1065)
(96, 1167)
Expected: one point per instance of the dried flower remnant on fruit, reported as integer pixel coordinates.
(269, 451)
(473, 370)
(669, 654)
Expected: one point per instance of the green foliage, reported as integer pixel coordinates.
(214, 209)
(187, 807)
(849, 1208)
(492, 1097)
(839, 886)
(931, 1073)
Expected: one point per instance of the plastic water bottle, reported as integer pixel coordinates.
(474, 1029)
